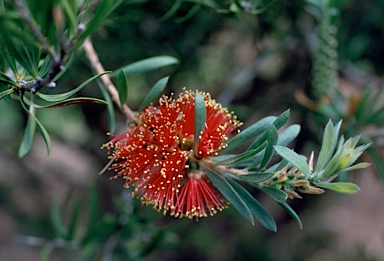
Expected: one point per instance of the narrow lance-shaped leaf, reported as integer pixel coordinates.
(45, 135)
(291, 212)
(242, 156)
(272, 137)
(110, 109)
(278, 166)
(377, 117)
(260, 140)
(29, 133)
(276, 194)
(293, 158)
(74, 220)
(171, 11)
(282, 119)
(104, 8)
(361, 165)
(21, 53)
(378, 161)
(148, 64)
(341, 187)
(192, 11)
(230, 194)
(250, 132)
(63, 96)
(70, 14)
(256, 177)
(5, 93)
(10, 60)
(73, 101)
(55, 215)
(288, 135)
(256, 208)
(155, 92)
(200, 118)
(365, 106)
(6, 79)
(45, 67)
(122, 87)
(328, 145)
(46, 252)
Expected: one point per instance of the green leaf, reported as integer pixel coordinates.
(29, 133)
(59, 229)
(45, 135)
(147, 65)
(73, 101)
(288, 135)
(328, 145)
(93, 211)
(282, 119)
(66, 95)
(200, 118)
(291, 212)
(341, 187)
(272, 137)
(230, 194)
(364, 107)
(260, 140)
(122, 87)
(278, 166)
(74, 219)
(5, 93)
(378, 161)
(110, 109)
(256, 177)
(5, 79)
(45, 67)
(256, 208)
(26, 56)
(293, 158)
(377, 117)
(71, 15)
(250, 132)
(361, 165)
(46, 251)
(9, 59)
(276, 194)
(242, 156)
(192, 11)
(176, 5)
(155, 92)
(103, 10)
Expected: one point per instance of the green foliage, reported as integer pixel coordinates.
(147, 65)
(251, 132)
(293, 158)
(33, 60)
(341, 187)
(200, 119)
(230, 194)
(155, 92)
(122, 87)
(255, 207)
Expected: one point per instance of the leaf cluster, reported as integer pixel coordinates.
(124, 233)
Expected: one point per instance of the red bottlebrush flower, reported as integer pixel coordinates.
(156, 155)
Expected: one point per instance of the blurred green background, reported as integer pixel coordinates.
(254, 64)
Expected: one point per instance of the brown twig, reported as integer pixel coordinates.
(98, 67)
